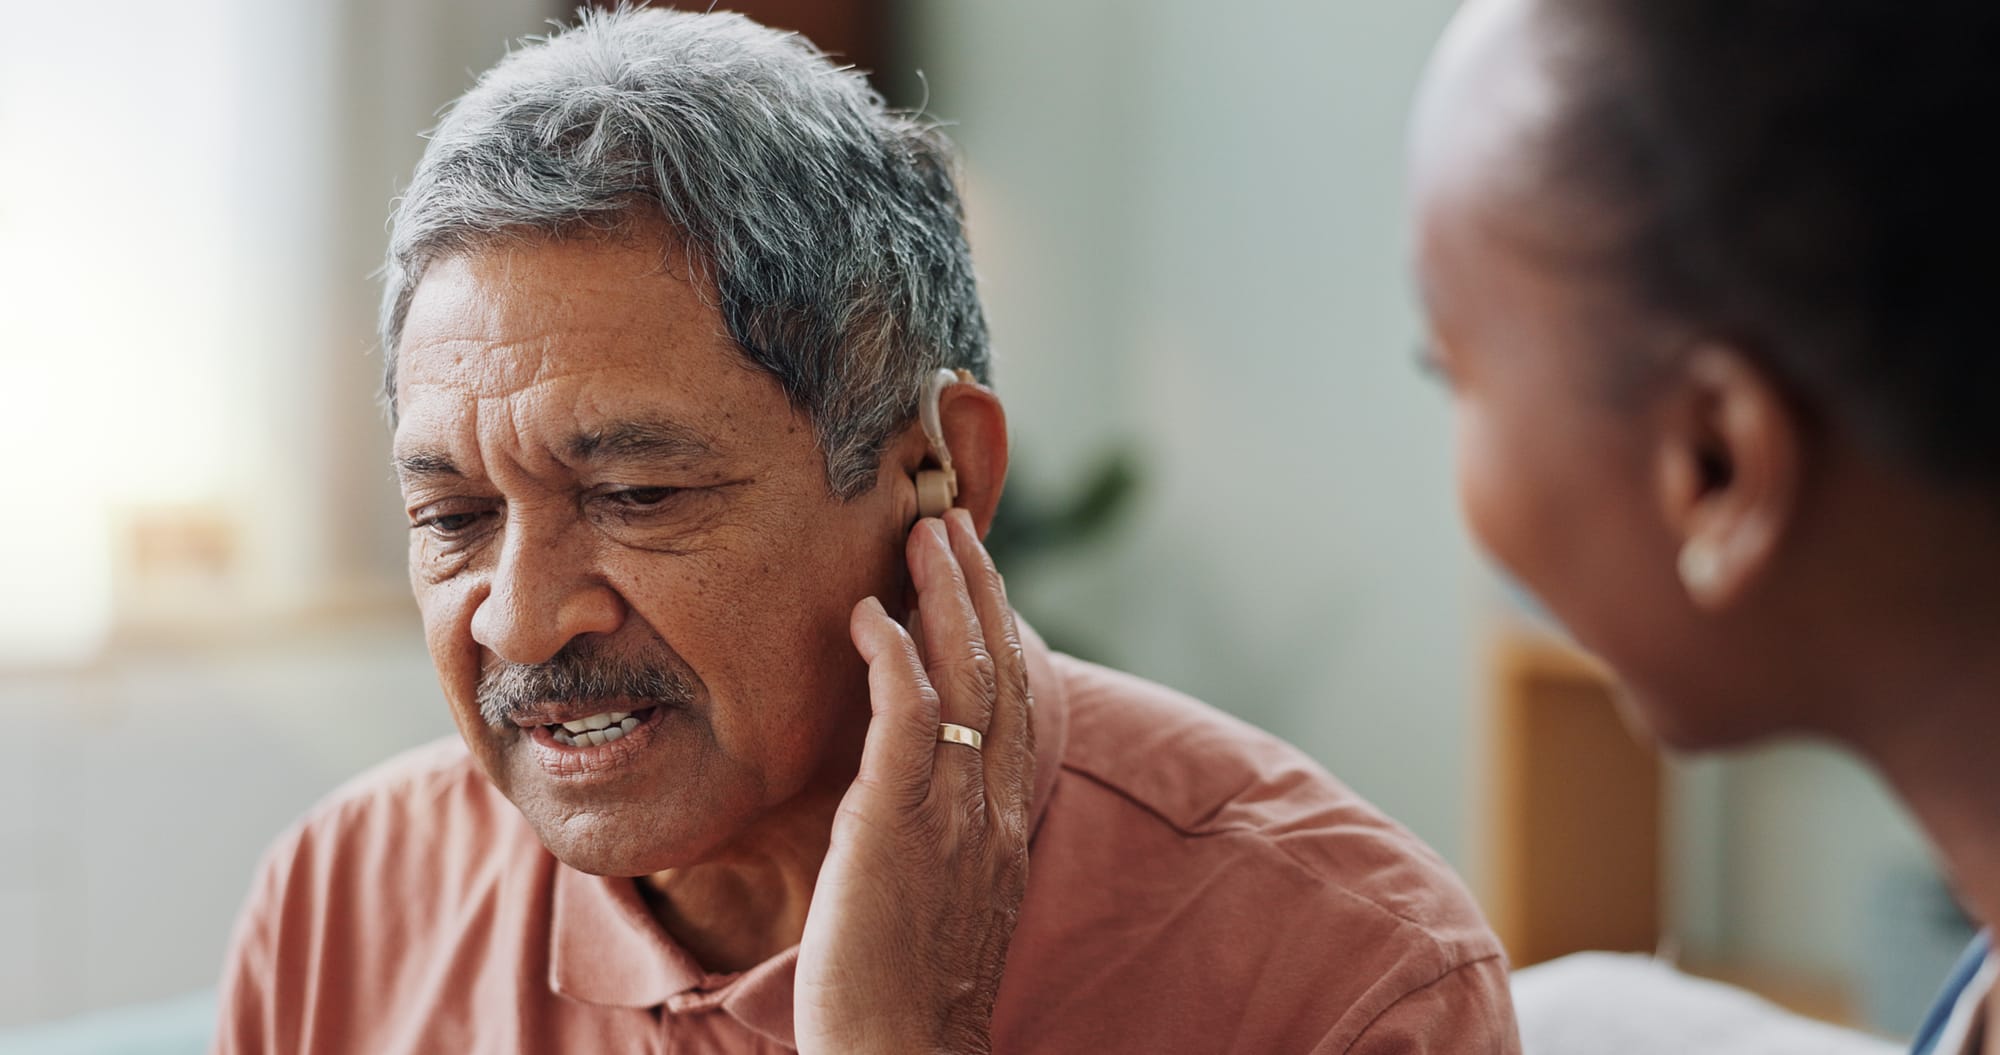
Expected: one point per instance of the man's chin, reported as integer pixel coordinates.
(628, 822)
(618, 843)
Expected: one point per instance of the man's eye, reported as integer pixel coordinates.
(642, 499)
(448, 525)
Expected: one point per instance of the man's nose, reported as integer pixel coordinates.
(544, 594)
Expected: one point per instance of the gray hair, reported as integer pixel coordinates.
(828, 225)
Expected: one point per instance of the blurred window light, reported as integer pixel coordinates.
(119, 258)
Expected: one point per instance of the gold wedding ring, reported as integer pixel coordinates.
(959, 734)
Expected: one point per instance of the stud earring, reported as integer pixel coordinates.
(1700, 566)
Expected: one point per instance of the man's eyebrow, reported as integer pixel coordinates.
(425, 465)
(657, 439)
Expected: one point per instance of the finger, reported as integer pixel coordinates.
(1010, 735)
(955, 650)
(900, 746)
(913, 625)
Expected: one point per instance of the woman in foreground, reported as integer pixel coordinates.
(1709, 283)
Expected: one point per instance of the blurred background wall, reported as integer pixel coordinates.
(1188, 223)
(204, 624)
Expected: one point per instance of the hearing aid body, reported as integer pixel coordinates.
(937, 489)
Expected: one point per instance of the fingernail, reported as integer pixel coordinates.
(937, 532)
(874, 605)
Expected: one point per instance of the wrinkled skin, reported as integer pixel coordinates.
(910, 925)
(589, 463)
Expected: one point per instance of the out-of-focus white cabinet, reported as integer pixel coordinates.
(139, 793)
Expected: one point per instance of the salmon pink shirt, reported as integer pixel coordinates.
(1195, 885)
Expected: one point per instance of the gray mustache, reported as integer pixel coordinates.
(578, 674)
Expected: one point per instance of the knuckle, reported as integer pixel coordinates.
(928, 703)
(1016, 664)
(1011, 832)
(1011, 873)
(926, 709)
(971, 817)
(911, 743)
(977, 675)
(973, 839)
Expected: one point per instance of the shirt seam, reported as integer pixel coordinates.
(1284, 853)
(1408, 993)
(360, 798)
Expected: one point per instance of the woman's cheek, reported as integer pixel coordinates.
(1481, 494)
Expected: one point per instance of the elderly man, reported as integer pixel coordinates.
(682, 340)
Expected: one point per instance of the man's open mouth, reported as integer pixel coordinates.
(599, 729)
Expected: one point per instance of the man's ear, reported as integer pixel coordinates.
(975, 429)
(1730, 465)
(972, 425)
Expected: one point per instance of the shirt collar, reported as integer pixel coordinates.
(1050, 716)
(1963, 983)
(606, 948)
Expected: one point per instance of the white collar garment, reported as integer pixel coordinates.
(1965, 1029)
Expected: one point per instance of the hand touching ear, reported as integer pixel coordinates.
(907, 935)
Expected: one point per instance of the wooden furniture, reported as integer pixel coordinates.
(1574, 825)
(1574, 814)
(863, 33)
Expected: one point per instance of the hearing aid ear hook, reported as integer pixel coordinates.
(937, 489)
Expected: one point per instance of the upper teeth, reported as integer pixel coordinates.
(597, 721)
(596, 730)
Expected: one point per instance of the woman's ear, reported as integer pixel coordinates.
(1731, 460)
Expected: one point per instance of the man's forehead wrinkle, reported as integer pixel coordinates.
(646, 438)
(511, 441)
(546, 428)
(532, 311)
(483, 369)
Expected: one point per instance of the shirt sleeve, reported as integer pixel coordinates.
(248, 1016)
(1468, 1011)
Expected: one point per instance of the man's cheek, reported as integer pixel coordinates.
(447, 616)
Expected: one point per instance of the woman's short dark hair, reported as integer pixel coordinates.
(1813, 179)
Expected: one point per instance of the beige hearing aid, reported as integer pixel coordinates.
(937, 489)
